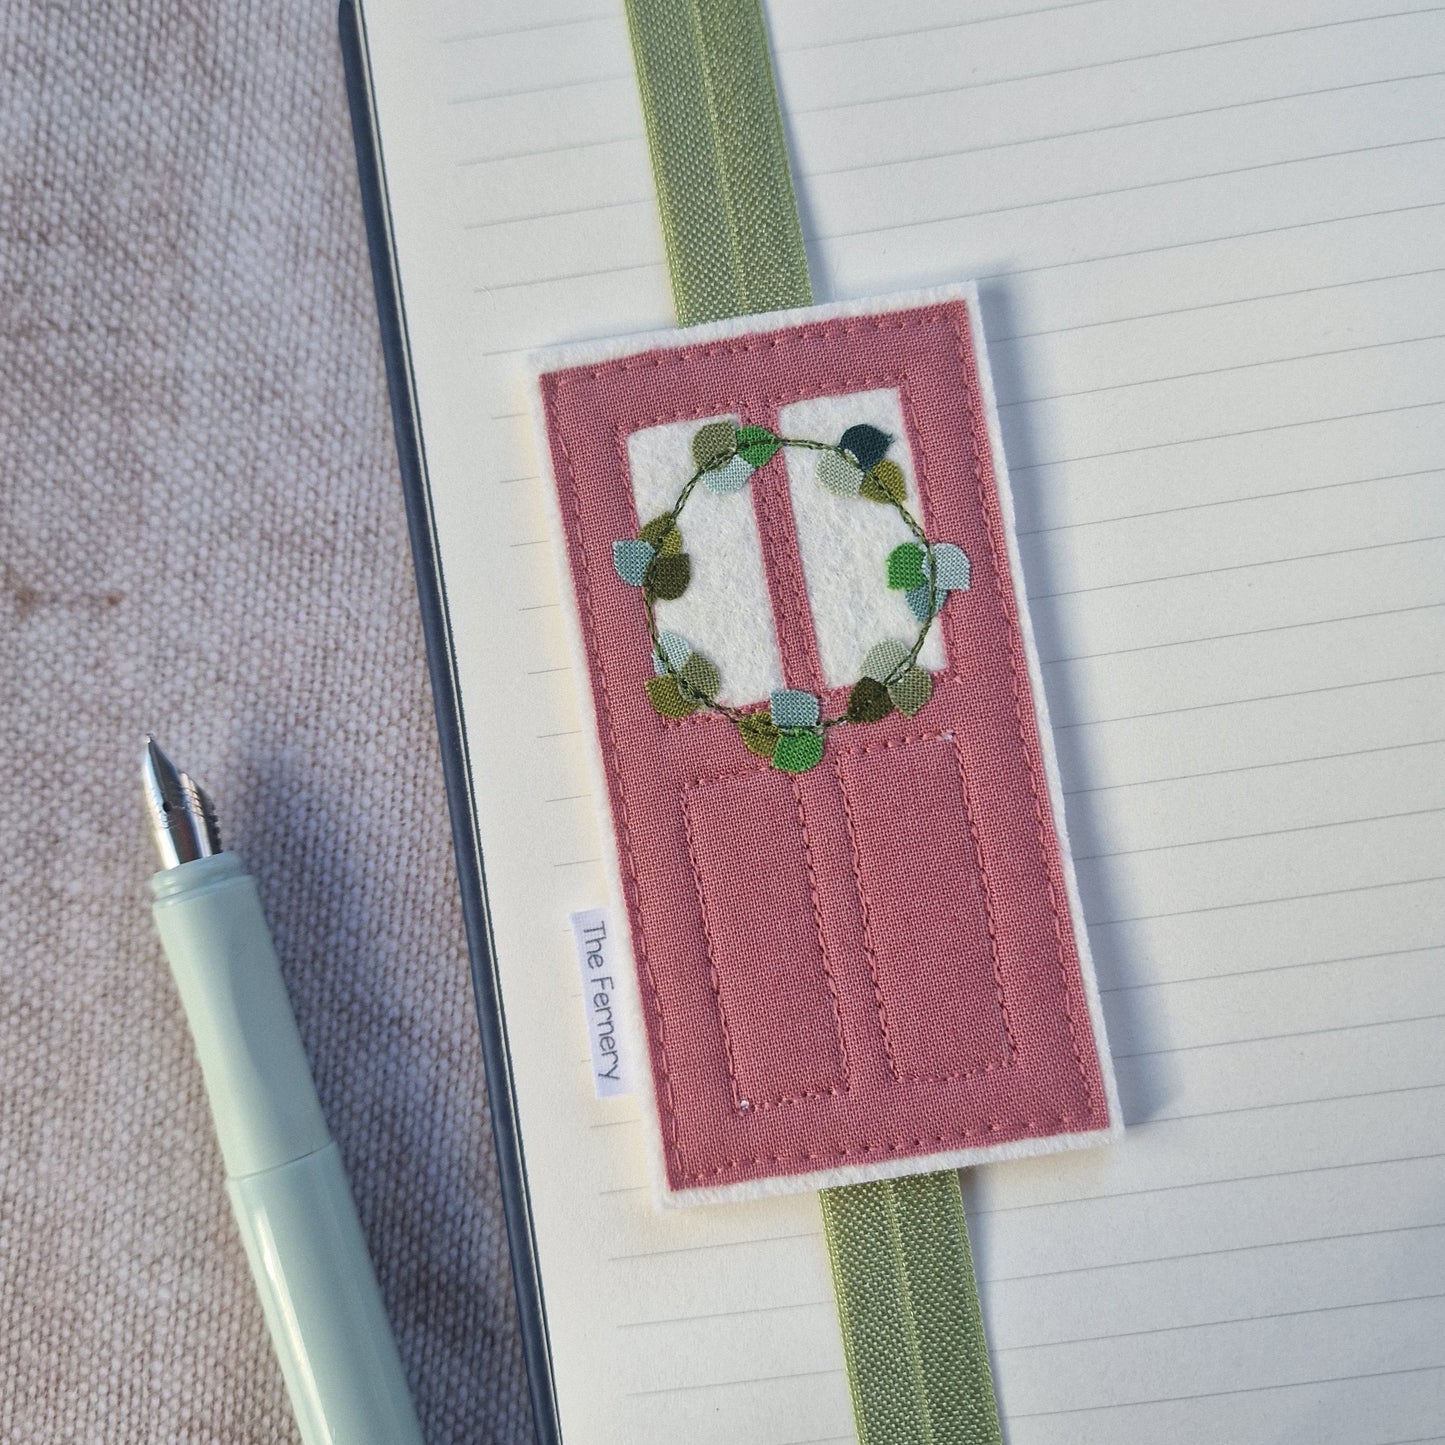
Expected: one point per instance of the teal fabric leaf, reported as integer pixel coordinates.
(884, 659)
(867, 443)
(839, 475)
(632, 558)
(732, 476)
(676, 649)
(917, 598)
(952, 567)
(794, 709)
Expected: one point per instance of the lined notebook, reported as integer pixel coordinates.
(1211, 245)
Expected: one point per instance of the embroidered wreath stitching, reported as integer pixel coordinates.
(791, 730)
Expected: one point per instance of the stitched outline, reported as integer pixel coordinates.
(746, 1106)
(823, 332)
(982, 453)
(870, 947)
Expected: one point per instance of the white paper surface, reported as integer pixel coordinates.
(1209, 241)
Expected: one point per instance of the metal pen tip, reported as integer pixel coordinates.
(182, 816)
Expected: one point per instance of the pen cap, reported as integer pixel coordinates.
(209, 918)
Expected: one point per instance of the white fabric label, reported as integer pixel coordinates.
(611, 1059)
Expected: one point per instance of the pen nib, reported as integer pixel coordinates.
(182, 816)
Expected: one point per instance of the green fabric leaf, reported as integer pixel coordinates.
(883, 659)
(700, 675)
(758, 734)
(667, 697)
(798, 751)
(869, 701)
(669, 575)
(905, 566)
(885, 483)
(911, 691)
(714, 444)
(662, 534)
(757, 445)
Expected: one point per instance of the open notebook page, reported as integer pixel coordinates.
(1211, 242)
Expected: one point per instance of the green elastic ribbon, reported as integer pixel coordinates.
(908, 1304)
(902, 1270)
(734, 244)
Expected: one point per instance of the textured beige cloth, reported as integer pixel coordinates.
(202, 534)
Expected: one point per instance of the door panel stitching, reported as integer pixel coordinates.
(870, 948)
(714, 980)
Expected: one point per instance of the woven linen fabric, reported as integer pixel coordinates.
(858, 957)
(202, 534)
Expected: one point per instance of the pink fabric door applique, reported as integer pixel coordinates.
(871, 967)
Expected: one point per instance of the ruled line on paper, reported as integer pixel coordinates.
(1254, 497)
(919, 157)
(1246, 701)
(1218, 371)
(1054, 74)
(1271, 968)
(1215, 1253)
(1241, 1390)
(1239, 567)
(1268, 902)
(1263, 833)
(1108, 192)
(1071, 657)
(1353, 284)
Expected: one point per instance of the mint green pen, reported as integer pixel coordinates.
(283, 1171)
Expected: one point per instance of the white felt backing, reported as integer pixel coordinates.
(725, 612)
(845, 541)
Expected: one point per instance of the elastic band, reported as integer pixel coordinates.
(902, 1270)
(912, 1329)
(729, 217)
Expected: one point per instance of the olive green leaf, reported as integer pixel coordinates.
(911, 691)
(714, 444)
(758, 734)
(885, 483)
(668, 576)
(869, 701)
(700, 675)
(667, 697)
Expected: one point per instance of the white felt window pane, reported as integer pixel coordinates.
(725, 612)
(845, 541)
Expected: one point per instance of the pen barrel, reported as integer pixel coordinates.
(322, 1304)
(209, 918)
(285, 1178)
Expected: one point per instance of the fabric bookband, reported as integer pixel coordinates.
(912, 1331)
(729, 218)
(913, 1336)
